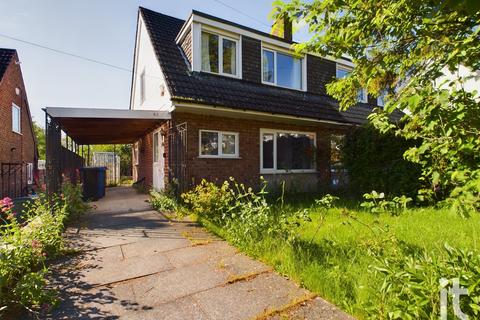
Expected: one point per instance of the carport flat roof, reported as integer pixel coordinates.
(106, 126)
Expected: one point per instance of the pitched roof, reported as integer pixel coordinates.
(204, 88)
(5, 58)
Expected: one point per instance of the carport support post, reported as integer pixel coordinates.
(114, 163)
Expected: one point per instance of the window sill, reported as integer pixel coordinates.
(218, 157)
(287, 171)
(282, 87)
(19, 133)
(235, 76)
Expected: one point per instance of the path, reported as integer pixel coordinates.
(137, 265)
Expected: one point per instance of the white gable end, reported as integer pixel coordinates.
(149, 91)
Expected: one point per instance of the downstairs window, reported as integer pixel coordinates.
(218, 144)
(287, 151)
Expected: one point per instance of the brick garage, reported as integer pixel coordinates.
(246, 168)
(14, 147)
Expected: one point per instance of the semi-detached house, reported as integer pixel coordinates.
(242, 104)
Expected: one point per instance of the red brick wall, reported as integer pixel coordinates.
(24, 143)
(246, 169)
(144, 169)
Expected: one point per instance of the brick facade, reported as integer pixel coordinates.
(246, 168)
(14, 147)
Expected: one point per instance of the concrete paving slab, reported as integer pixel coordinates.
(316, 309)
(152, 246)
(213, 252)
(181, 309)
(109, 271)
(239, 264)
(177, 283)
(247, 299)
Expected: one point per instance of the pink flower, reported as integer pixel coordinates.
(6, 203)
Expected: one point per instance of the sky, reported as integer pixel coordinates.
(102, 30)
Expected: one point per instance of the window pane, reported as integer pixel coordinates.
(229, 56)
(289, 71)
(228, 144)
(362, 97)
(342, 73)
(295, 151)
(209, 143)
(155, 147)
(268, 66)
(267, 141)
(209, 52)
(16, 119)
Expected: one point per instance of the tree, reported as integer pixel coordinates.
(421, 54)
(40, 138)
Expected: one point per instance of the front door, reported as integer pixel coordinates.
(158, 161)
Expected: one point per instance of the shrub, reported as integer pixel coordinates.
(210, 201)
(375, 161)
(25, 248)
(162, 201)
(246, 215)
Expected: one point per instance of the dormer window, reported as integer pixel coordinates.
(219, 54)
(281, 69)
(344, 71)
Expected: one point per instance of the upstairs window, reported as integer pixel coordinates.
(281, 69)
(381, 99)
(219, 54)
(342, 72)
(16, 119)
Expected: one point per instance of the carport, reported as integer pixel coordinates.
(71, 131)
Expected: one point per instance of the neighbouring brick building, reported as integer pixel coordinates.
(18, 150)
(242, 105)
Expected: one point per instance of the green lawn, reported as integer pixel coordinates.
(336, 264)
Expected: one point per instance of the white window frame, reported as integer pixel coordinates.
(275, 170)
(143, 87)
(220, 54)
(302, 68)
(220, 153)
(14, 106)
(349, 69)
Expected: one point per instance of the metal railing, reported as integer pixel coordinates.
(15, 179)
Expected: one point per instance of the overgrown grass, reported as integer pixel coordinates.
(337, 261)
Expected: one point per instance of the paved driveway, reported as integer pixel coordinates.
(135, 264)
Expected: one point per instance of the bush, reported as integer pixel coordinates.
(162, 201)
(375, 161)
(25, 248)
(245, 215)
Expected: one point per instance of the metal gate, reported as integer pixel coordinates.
(15, 179)
(177, 157)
